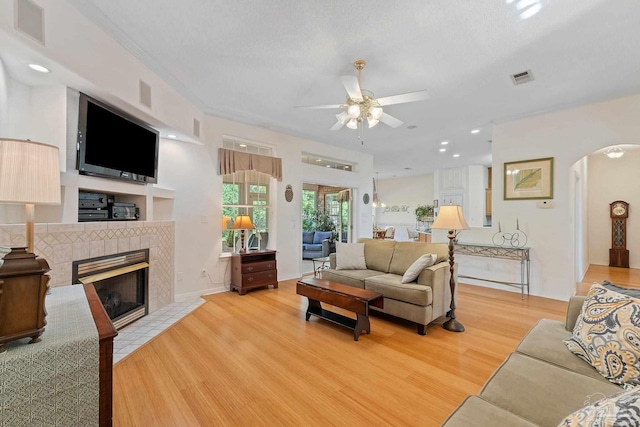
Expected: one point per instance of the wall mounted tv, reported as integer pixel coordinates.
(113, 144)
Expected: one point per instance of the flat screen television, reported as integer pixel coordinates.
(113, 144)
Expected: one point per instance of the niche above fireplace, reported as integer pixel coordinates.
(121, 282)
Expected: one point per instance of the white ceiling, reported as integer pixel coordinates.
(253, 61)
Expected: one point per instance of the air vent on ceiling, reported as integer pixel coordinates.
(196, 128)
(523, 77)
(29, 19)
(145, 94)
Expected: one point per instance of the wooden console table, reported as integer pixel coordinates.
(503, 252)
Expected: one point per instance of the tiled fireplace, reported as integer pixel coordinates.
(62, 244)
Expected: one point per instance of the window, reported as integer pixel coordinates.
(316, 160)
(245, 193)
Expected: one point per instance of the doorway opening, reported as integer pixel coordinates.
(326, 219)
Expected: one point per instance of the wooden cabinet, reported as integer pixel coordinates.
(254, 269)
(487, 202)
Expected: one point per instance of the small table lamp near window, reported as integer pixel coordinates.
(29, 175)
(450, 218)
(242, 222)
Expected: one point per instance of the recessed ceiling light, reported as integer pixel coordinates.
(39, 68)
(328, 166)
(475, 131)
(412, 127)
(172, 136)
(318, 160)
(444, 142)
(456, 155)
(243, 145)
(346, 167)
(442, 150)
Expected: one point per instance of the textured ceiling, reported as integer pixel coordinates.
(254, 61)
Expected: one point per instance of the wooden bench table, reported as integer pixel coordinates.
(342, 296)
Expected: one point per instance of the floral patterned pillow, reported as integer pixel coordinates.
(620, 409)
(607, 335)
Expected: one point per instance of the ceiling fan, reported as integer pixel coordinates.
(361, 106)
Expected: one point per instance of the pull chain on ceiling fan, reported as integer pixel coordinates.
(361, 106)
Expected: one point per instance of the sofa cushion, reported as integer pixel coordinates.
(319, 236)
(350, 256)
(378, 253)
(416, 268)
(474, 411)
(349, 277)
(406, 253)
(391, 286)
(311, 247)
(541, 392)
(307, 237)
(607, 335)
(622, 409)
(545, 342)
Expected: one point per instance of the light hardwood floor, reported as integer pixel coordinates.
(253, 360)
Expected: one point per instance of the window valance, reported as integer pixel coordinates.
(231, 161)
(344, 195)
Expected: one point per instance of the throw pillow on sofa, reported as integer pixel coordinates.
(307, 237)
(418, 265)
(620, 409)
(319, 236)
(350, 256)
(607, 335)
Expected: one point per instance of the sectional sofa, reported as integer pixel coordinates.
(422, 301)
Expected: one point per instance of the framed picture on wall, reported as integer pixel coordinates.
(528, 179)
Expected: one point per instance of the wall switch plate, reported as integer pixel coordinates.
(545, 204)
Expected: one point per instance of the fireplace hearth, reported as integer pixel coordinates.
(121, 281)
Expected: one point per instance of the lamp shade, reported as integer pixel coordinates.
(29, 173)
(450, 217)
(243, 222)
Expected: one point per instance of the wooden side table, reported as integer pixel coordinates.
(253, 269)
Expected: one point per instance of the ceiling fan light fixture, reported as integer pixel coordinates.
(372, 121)
(353, 111)
(376, 112)
(352, 124)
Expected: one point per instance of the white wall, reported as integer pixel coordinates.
(611, 180)
(411, 191)
(567, 136)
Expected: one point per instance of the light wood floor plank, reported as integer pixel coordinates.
(254, 360)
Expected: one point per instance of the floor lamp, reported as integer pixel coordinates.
(29, 175)
(242, 222)
(450, 218)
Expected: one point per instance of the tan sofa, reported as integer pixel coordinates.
(422, 301)
(539, 384)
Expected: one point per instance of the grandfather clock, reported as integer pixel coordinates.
(619, 254)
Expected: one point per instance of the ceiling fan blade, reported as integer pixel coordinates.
(338, 125)
(419, 95)
(390, 120)
(352, 86)
(317, 107)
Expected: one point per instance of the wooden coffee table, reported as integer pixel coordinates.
(342, 296)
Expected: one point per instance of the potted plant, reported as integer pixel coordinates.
(424, 212)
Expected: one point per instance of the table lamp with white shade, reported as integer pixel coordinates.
(29, 175)
(450, 218)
